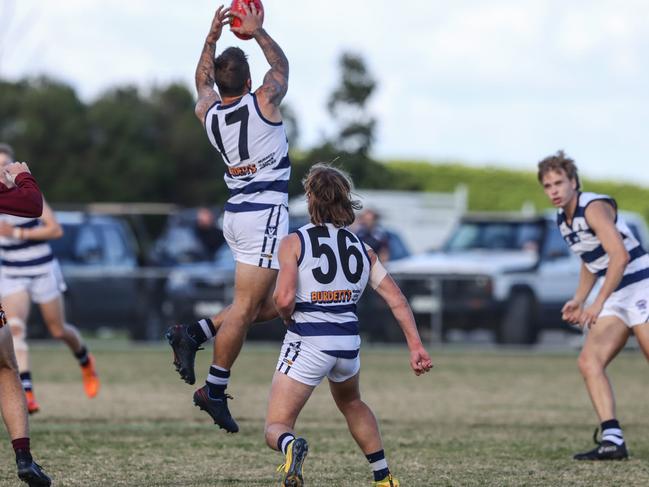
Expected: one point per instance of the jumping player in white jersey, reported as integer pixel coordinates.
(22, 199)
(324, 268)
(30, 272)
(592, 227)
(246, 128)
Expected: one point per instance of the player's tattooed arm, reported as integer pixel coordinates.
(276, 79)
(204, 76)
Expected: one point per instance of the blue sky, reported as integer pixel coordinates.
(488, 82)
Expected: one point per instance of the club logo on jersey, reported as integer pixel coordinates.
(242, 171)
(571, 238)
(271, 231)
(337, 296)
(641, 305)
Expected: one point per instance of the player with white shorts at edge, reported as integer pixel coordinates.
(246, 128)
(324, 269)
(30, 272)
(591, 226)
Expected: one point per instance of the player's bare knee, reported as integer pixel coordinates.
(245, 311)
(19, 333)
(589, 365)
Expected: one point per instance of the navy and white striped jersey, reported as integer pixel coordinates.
(255, 152)
(583, 242)
(24, 258)
(333, 270)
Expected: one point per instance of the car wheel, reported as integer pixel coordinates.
(518, 326)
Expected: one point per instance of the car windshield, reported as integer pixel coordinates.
(64, 247)
(495, 236)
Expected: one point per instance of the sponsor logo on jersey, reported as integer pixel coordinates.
(266, 161)
(237, 172)
(337, 296)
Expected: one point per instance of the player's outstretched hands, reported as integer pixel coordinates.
(571, 311)
(420, 360)
(221, 18)
(14, 169)
(251, 19)
(590, 314)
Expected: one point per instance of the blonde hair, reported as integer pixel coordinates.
(329, 192)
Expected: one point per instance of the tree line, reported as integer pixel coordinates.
(131, 144)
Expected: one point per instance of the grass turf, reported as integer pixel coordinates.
(494, 418)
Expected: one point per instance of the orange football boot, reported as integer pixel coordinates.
(90, 377)
(32, 405)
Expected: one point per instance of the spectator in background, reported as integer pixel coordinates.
(369, 231)
(210, 236)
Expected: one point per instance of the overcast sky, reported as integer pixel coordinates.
(487, 81)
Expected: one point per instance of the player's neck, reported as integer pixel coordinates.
(571, 207)
(226, 100)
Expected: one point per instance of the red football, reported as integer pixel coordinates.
(237, 6)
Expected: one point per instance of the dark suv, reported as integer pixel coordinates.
(106, 287)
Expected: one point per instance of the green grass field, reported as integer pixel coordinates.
(479, 418)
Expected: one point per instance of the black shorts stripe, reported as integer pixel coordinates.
(297, 352)
(270, 215)
(288, 350)
(275, 238)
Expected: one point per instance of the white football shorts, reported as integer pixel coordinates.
(253, 236)
(630, 304)
(41, 289)
(308, 365)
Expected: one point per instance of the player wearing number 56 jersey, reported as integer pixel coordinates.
(324, 269)
(246, 128)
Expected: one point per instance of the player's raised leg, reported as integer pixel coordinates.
(364, 428)
(287, 398)
(604, 341)
(252, 288)
(54, 316)
(186, 340)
